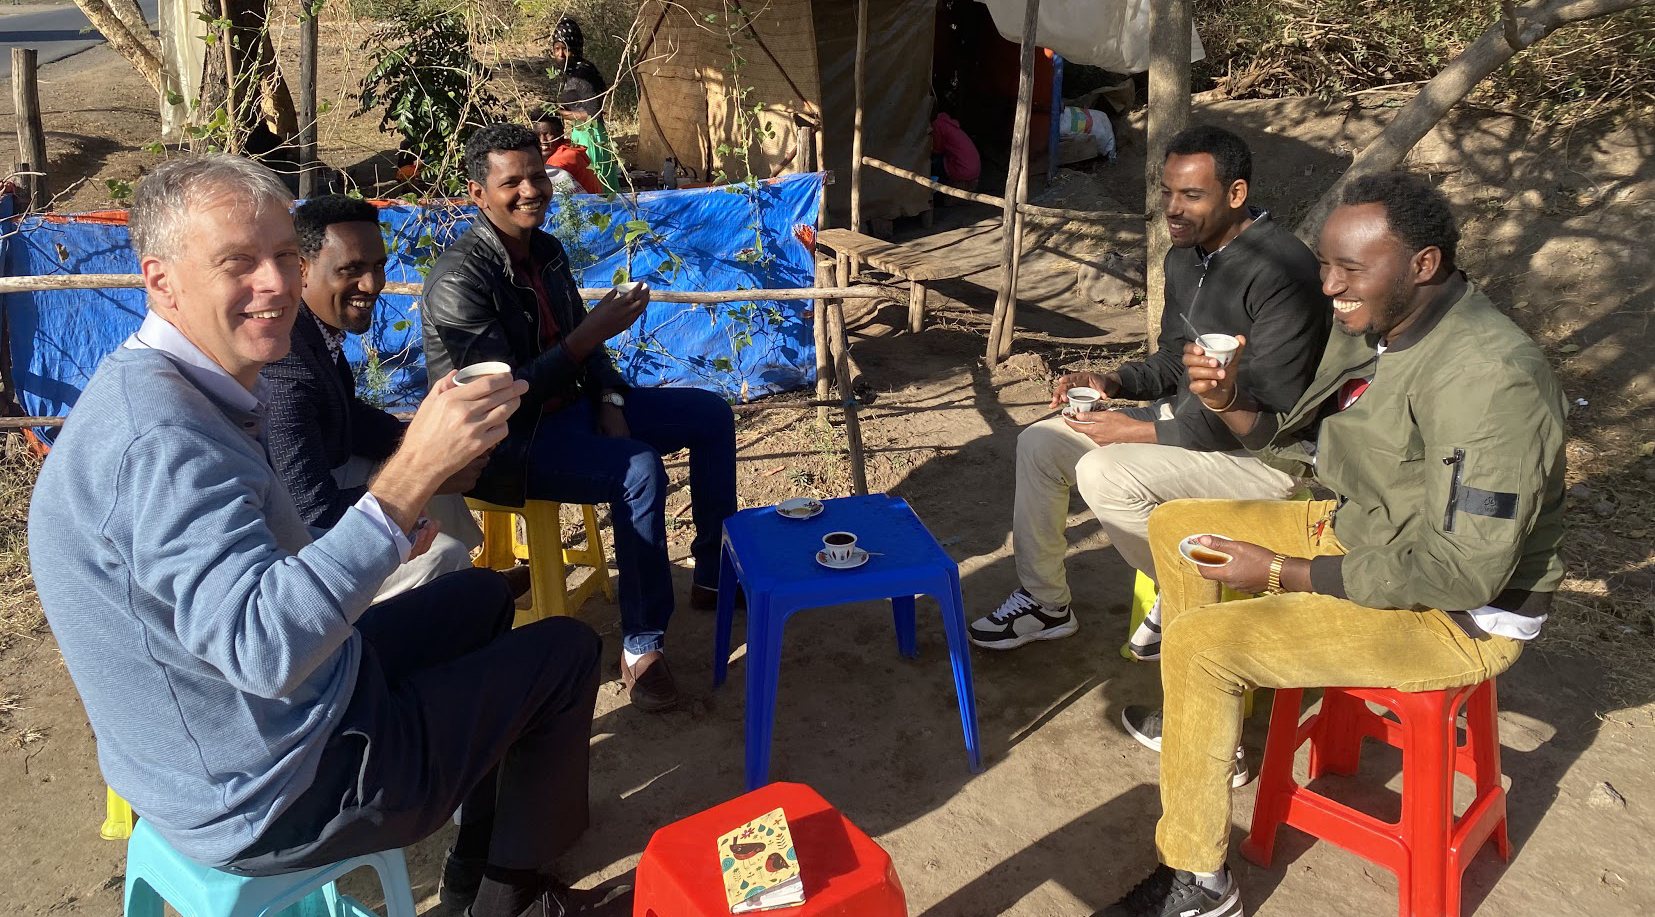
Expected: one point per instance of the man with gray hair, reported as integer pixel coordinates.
(247, 700)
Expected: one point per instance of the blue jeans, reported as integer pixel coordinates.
(570, 462)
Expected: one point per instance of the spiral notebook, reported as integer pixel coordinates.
(761, 871)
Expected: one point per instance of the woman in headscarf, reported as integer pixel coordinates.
(580, 94)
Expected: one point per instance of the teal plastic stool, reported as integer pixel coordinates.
(156, 874)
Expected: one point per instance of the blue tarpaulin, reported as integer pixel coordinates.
(732, 238)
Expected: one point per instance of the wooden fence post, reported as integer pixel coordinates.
(856, 136)
(309, 16)
(31, 137)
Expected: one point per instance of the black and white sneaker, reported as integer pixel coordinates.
(1175, 893)
(1144, 724)
(1021, 619)
(1145, 643)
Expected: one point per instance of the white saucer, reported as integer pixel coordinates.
(1070, 416)
(800, 508)
(858, 558)
(1189, 544)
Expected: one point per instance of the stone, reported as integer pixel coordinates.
(1112, 279)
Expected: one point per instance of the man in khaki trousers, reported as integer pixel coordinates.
(1231, 271)
(1439, 427)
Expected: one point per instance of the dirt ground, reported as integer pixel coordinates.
(1061, 822)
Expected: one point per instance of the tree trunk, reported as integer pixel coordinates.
(133, 18)
(258, 95)
(1168, 113)
(1516, 30)
(137, 53)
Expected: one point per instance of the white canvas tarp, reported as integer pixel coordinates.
(1112, 34)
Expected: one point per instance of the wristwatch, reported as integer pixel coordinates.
(1273, 584)
(614, 398)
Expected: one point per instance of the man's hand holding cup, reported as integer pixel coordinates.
(1213, 373)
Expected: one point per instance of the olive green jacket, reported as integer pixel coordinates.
(1448, 468)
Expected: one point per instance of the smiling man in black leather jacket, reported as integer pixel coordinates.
(505, 292)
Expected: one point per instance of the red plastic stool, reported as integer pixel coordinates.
(845, 873)
(1429, 848)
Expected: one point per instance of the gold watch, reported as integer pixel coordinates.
(1272, 586)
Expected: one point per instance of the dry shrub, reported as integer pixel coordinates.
(20, 613)
(1329, 48)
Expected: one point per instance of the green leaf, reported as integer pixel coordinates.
(401, 325)
(621, 275)
(723, 364)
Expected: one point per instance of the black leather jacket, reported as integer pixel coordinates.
(475, 311)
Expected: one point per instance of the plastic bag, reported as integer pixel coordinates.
(1112, 34)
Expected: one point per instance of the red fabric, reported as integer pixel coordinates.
(959, 154)
(572, 158)
(1352, 390)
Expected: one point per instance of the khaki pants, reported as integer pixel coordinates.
(1120, 484)
(1211, 653)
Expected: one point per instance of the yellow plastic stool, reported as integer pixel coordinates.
(117, 817)
(543, 549)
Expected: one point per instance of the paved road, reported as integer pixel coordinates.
(57, 32)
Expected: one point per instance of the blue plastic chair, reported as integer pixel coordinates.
(773, 559)
(156, 873)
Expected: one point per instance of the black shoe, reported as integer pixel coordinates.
(1175, 893)
(1144, 724)
(559, 900)
(461, 876)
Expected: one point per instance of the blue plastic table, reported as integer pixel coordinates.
(773, 559)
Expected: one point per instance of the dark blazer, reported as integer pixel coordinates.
(316, 422)
(475, 311)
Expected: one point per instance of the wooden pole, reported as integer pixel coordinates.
(856, 136)
(1028, 210)
(804, 148)
(32, 284)
(824, 347)
(31, 136)
(1016, 190)
(847, 398)
(310, 15)
(1169, 113)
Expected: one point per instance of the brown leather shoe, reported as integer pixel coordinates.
(705, 598)
(649, 683)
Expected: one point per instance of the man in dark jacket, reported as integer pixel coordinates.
(505, 292)
(1232, 271)
(325, 441)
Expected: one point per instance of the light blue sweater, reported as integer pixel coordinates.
(212, 640)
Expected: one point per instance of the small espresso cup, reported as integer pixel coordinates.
(1083, 399)
(478, 370)
(839, 546)
(625, 289)
(1221, 347)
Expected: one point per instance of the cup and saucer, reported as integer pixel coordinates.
(1082, 400)
(800, 508)
(839, 552)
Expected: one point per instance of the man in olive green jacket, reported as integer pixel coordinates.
(1439, 426)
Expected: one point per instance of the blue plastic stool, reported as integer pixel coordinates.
(773, 559)
(156, 873)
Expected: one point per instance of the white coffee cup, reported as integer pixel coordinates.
(839, 546)
(626, 289)
(1083, 399)
(478, 370)
(1221, 347)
